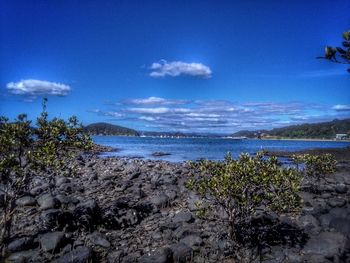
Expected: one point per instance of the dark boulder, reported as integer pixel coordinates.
(87, 215)
(181, 253)
(52, 241)
(20, 244)
(78, 255)
(163, 255)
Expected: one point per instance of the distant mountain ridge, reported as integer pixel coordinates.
(103, 128)
(322, 130)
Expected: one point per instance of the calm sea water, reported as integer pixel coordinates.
(183, 149)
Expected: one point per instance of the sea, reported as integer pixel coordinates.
(185, 149)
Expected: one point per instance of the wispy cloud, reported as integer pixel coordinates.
(217, 115)
(32, 88)
(341, 107)
(155, 101)
(178, 68)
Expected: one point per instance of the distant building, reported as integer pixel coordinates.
(341, 136)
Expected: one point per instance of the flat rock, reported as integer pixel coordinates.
(23, 256)
(163, 255)
(327, 244)
(192, 240)
(181, 253)
(47, 201)
(51, 241)
(78, 255)
(25, 201)
(182, 217)
(99, 240)
(341, 188)
(20, 244)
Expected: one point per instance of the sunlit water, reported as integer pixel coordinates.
(183, 149)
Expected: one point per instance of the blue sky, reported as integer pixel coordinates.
(203, 66)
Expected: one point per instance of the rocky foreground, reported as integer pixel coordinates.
(132, 210)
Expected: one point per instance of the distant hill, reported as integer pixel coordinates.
(102, 128)
(322, 130)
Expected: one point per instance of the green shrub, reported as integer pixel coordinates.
(240, 187)
(316, 166)
(49, 147)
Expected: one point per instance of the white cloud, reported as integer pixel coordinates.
(155, 101)
(340, 107)
(34, 88)
(178, 68)
(159, 110)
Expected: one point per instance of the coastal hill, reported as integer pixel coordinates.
(102, 128)
(322, 130)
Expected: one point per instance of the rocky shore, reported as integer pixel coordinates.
(134, 210)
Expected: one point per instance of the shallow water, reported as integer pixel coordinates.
(182, 149)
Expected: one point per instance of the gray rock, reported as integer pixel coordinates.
(181, 253)
(192, 240)
(25, 201)
(71, 188)
(86, 214)
(20, 244)
(160, 201)
(163, 255)
(99, 240)
(23, 256)
(341, 188)
(61, 180)
(39, 189)
(52, 241)
(341, 225)
(327, 244)
(309, 223)
(336, 202)
(115, 256)
(182, 217)
(47, 201)
(78, 255)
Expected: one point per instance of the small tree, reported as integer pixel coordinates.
(339, 54)
(25, 150)
(240, 187)
(316, 166)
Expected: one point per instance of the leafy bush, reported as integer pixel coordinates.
(242, 187)
(25, 150)
(316, 166)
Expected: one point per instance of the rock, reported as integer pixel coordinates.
(99, 240)
(67, 199)
(327, 244)
(52, 241)
(336, 202)
(341, 188)
(163, 255)
(47, 201)
(78, 255)
(61, 180)
(115, 256)
(192, 240)
(23, 256)
(159, 154)
(183, 217)
(87, 214)
(71, 188)
(181, 253)
(49, 218)
(39, 189)
(20, 244)
(341, 225)
(25, 201)
(309, 224)
(160, 201)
